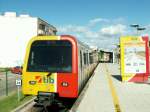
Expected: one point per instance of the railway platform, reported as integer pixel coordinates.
(106, 92)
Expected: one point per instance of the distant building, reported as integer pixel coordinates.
(106, 56)
(15, 32)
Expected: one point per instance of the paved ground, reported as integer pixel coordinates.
(133, 97)
(106, 93)
(97, 97)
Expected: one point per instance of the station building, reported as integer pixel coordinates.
(15, 32)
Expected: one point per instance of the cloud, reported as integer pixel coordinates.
(119, 20)
(97, 20)
(114, 30)
(103, 36)
(72, 28)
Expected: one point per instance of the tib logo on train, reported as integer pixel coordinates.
(44, 79)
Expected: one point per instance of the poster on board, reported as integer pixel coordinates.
(134, 58)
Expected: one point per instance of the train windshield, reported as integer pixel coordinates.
(50, 56)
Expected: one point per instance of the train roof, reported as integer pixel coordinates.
(62, 37)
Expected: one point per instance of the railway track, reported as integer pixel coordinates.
(56, 106)
(59, 105)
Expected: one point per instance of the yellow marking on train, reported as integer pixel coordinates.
(113, 92)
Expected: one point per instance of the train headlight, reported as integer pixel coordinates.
(65, 84)
(32, 82)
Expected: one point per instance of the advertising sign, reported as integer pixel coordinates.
(134, 58)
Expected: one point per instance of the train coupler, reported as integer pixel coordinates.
(44, 99)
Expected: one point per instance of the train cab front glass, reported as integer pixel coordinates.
(50, 56)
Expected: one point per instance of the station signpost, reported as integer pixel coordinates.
(134, 58)
(18, 84)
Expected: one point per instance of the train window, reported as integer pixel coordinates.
(87, 58)
(81, 60)
(91, 58)
(84, 58)
(50, 56)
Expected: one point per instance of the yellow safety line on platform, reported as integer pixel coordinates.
(113, 92)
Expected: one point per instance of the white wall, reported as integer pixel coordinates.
(15, 32)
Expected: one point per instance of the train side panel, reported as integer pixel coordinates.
(87, 61)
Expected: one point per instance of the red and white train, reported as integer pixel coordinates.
(57, 65)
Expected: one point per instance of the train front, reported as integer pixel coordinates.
(51, 66)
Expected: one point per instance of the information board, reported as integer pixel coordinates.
(134, 58)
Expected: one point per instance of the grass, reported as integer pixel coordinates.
(11, 102)
(4, 69)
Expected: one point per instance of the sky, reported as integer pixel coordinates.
(95, 22)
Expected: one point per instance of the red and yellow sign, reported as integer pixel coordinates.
(134, 58)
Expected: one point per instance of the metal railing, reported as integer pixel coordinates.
(7, 82)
